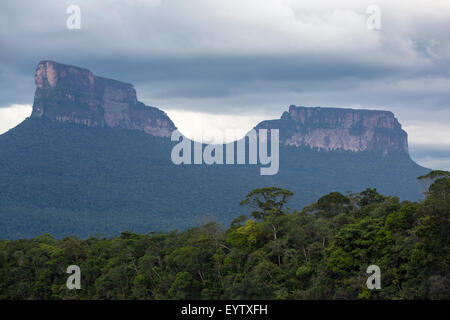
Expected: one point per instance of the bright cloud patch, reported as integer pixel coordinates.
(213, 128)
(13, 115)
(428, 133)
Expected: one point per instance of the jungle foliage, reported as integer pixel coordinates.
(319, 252)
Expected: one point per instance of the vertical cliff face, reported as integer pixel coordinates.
(70, 94)
(340, 129)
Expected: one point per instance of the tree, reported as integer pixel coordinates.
(431, 177)
(181, 287)
(333, 204)
(269, 203)
(369, 196)
(325, 247)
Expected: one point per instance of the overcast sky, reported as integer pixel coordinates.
(220, 64)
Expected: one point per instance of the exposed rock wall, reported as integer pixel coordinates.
(340, 129)
(70, 94)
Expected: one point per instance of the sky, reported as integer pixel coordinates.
(228, 64)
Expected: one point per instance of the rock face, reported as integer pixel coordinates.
(70, 94)
(340, 129)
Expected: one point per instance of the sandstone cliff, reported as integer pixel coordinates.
(340, 129)
(70, 94)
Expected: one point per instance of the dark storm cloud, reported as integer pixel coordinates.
(174, 50)
(220, 77)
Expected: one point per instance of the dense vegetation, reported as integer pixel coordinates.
(320, 252)
(67, 179)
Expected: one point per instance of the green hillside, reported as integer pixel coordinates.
(320, 252)
(67, 179)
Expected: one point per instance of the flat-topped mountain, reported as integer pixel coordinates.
(70, 94)
(340, 129)
(93, 159)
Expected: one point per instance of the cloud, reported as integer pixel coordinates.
(429, 143)
(12, 116)
(213, 128)
(241, 60)
(434, 163)
(431, 157)
(431, 134)
(203, 48)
